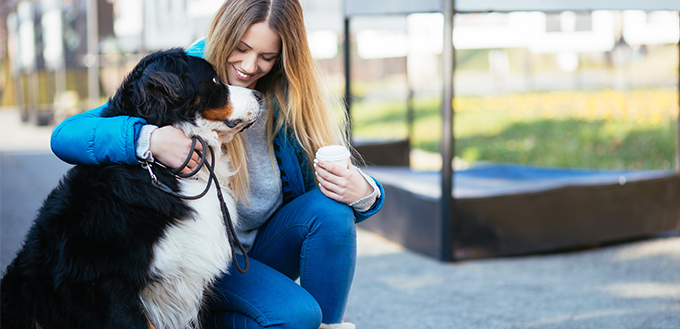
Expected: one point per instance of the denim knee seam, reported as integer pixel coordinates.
(303, 257)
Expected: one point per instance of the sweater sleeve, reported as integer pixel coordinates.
(88, 138)
(365, 203)
(361, 216)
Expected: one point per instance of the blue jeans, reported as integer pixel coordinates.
(312, 238)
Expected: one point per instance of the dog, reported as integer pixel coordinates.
(108, 249)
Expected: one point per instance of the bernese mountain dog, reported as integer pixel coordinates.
(108, 248)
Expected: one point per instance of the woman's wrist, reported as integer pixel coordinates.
(368, 201)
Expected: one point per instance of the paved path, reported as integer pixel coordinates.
(635, 285)
(627, 286)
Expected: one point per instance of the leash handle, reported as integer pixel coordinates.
(188, 158)
(158, 184)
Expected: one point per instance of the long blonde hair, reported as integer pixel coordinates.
(293, 83)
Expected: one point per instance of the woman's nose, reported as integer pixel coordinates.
(249, 64)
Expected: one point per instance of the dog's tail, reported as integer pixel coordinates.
(14, 313)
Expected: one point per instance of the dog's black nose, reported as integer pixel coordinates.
(233, 123)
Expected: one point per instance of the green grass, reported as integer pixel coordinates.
(601, 129)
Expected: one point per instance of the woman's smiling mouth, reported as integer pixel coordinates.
(241, 75)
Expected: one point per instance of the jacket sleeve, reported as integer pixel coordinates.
(88, 138)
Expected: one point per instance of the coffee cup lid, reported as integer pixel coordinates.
(332, 153)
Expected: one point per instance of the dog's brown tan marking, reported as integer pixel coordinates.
(219, 114)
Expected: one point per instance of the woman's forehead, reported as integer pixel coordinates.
(261, 38)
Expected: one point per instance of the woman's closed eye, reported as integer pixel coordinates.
(269, 58)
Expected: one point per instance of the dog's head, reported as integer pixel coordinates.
(172, 88)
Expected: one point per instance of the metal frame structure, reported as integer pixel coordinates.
(449, 8)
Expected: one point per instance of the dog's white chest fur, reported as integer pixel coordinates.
(192, 254)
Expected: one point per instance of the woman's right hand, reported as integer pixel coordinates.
(171, 147)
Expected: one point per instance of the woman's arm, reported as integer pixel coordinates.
(88, 138)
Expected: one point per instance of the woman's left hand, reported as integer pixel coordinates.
(341, 184)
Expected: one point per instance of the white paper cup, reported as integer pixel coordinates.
(337, 154)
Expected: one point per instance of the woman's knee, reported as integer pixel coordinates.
(333, 231)
(299, 311)
(305, 314)
(333, 215)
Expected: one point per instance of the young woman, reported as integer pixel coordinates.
(292, 225)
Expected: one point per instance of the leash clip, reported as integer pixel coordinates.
(147, 166)
(154, 180)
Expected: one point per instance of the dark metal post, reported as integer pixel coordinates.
(677, 142)
(410, 116)
(448, 59)
(348, 73)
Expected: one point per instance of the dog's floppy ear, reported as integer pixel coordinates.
(156, 89)
(159, 90)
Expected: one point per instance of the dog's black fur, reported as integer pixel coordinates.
(86, 257)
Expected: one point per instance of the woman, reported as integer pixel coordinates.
(293, 226)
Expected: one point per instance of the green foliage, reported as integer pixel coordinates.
(602, 129)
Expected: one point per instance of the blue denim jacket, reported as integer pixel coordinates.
(87, 138)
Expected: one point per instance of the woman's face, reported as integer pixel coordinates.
(254, 57)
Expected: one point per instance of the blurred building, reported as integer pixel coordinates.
(49, 59)
(495, 46)
(54, 66)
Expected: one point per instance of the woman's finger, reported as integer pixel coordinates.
(327, 190)
(331, 172)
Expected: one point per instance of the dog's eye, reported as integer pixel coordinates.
(217, 82)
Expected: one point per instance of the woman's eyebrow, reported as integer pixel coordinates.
(265, 53)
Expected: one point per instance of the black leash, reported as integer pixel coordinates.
(231, 232)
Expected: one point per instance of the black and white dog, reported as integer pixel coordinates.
(108, 249)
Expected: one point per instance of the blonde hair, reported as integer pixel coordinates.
(293, 83)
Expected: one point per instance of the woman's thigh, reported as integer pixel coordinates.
(310, 228)
(266, 296)
(313, 238)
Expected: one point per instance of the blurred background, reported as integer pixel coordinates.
(569, 89)
(591, 89)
